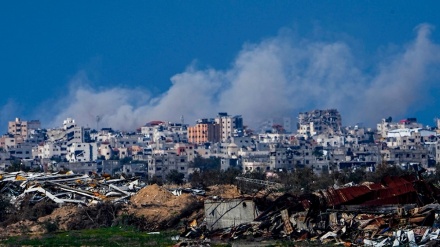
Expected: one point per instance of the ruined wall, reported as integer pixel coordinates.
(223, 214)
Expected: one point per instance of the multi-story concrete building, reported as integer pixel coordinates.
(320, 121)
(49, 150)
(105, 150)
(8, 141)
(160, 163)
(135, 169)
(78, 167)
(404, 157)
(73, 133)
(274, 138)
(205, 130)
(158, 131)
(21, 151)
(387, 125)
(126, 141)
(327, 140)
(82, 152)
(22, 128)
(186, 149)
(229, 126)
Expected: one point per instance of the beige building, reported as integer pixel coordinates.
(230, 126)
(22, 128)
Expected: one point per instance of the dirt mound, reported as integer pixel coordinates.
(224, 191)
(61, 215)
(152, 194)
(161, 207)
(22, 227)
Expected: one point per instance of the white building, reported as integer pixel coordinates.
(330, 140)
(229, 126)
(49, 150)
(105, 150)
(82, 152)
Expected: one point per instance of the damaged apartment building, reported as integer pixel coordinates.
(319, 121)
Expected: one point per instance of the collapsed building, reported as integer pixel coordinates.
(68, 188)
(396, 211)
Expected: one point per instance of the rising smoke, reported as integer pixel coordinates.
(278, 77)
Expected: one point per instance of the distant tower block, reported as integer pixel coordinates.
(182, 120)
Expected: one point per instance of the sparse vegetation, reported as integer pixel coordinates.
(110, 236)
(207, 178)
(175, 177)
(100, 215)
(205, 164)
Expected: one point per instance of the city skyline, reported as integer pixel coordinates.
(130, 63)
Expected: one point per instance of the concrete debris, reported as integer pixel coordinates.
(399, 211)
(68, 188)
(193, 191)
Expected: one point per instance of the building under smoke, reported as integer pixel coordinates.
(230, 126)
(319, 122)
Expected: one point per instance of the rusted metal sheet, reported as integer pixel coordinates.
(394, 190)
(337, 197)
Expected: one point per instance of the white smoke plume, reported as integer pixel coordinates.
(278, 77)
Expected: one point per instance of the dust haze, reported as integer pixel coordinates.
(280, 76)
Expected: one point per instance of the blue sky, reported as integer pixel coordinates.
(132, 61)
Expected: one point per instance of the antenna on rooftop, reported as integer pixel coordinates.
(98, 119)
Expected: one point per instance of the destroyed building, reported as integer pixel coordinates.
(233, 212)
(319, 121)
(395, 212)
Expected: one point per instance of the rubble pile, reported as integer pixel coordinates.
(63, 215)
(156, 206)
(398, 211)
(68, 188)
(224, 191)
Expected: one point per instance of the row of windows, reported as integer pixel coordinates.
(407, 156)
(182, 168)
(257, 168)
